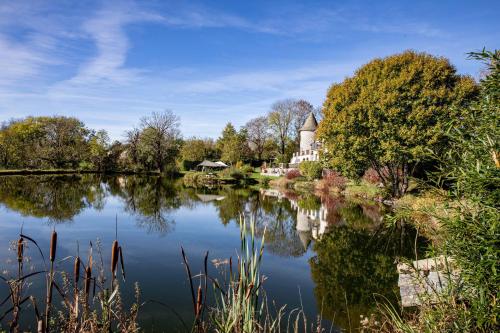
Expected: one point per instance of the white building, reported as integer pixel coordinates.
(309, 147)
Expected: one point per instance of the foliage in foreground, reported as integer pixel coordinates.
(471, 173)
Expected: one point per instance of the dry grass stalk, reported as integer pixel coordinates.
(50, 283)
(199, 300)
(20, 250)
(76, 271)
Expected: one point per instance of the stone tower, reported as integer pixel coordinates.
(307, 134)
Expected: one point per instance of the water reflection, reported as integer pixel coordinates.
(57, 198)
(151, 199)
(345, 245)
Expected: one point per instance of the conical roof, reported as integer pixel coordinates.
(310, 124)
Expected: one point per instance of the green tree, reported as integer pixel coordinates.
(98, 149)
(390, 113)
(43, 142)
(194, 150)
(233, 145)
(311, 169)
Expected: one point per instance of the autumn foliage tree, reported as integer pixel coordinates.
(390, 113)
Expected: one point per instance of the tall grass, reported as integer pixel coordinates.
(102, 311)
(240, 302)
(93, 304)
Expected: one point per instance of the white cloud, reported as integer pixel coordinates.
(76, 65)
(106, 29)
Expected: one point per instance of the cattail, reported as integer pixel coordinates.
(76, 271)
(199, 301)
(114, 257)
(53, 246)
(20, 250)
(121, 262)
(88, 278)
(249, 290)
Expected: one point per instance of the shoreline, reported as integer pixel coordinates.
(29, 172)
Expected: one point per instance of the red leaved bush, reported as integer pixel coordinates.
(372, 177)
(292, 174)
(333, 179)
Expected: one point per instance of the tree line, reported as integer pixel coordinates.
(271, 137)
(387, 117)
(155, 144)
(66, 143)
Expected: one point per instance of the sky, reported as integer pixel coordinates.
(111, 63)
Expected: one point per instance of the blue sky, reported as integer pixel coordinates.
(110, 63)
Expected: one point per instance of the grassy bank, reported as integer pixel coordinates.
(351, 189)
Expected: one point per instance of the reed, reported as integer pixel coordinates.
(20, 250)
(76, 271)
(240, 303)
(50, 282)
(114, 258)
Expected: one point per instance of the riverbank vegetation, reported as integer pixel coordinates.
(409, 130)
(467, 180)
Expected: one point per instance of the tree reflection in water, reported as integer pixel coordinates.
(61, 197)
(352, 252)
(151, 199)
(355, 262)
(56, 197)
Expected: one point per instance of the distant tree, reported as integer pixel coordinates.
(44, 142)
(133, 138)
(280, 120)
(301, 109)
(159, 139)
(194, 150)
(64, 141)
(233, 145)
(258, 134)
(390, 113)
(98, 149)
(113, 160)
(270, 149)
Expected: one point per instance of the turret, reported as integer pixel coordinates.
(307, 133)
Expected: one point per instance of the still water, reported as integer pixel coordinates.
(327, 253)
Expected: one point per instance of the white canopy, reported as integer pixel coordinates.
(222, 164)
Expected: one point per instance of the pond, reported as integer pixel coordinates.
(327, 253)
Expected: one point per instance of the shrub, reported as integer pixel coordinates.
(237, 175)
(239, 165)
(191, 178)
(333, 179)
(311, 170)
(292, 174)
(265, 182)
(248, 169)
(371, 176)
